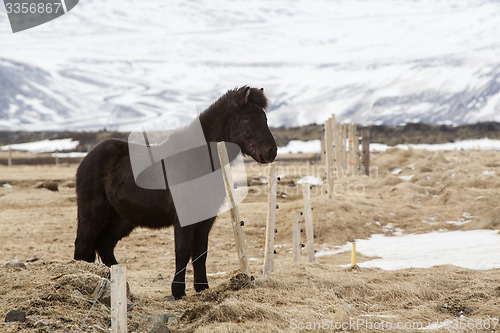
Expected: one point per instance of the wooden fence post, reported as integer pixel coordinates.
(330, 154)
(357, 164)
(345, 163)
(335, 155)
(271, 220)
(352, 156)
(9, 160)
(306, 190)
(296, 238)
(119, 298)
(323, 149)
(235, 214)
(365, 151)
(338, 148)
(324, 144)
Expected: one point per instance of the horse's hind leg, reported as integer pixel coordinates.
(91, 219)
(114, 230)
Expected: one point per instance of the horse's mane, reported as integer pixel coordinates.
(230, 100)
(213, 118)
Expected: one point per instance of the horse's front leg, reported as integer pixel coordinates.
(183, 248)
(199, 253)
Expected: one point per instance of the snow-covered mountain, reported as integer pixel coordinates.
(115, 63)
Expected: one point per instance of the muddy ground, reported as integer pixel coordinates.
(38, 225)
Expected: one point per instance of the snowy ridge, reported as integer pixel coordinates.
(112, 64)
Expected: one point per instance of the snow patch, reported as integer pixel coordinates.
(311, 180)
(297, 146)
(473, 249)
(44, 146)
(479, 144)
(396, 171)
(69, 155)
(406, 178)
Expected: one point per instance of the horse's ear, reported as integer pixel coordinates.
(262, 90)
(247, 93)
(243, 94)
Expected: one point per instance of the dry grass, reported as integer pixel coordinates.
(36, 222)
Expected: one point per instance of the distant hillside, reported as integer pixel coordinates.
(377, 62)
(389, 135)
(393, 135)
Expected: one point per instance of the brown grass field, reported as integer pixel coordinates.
(56, 292)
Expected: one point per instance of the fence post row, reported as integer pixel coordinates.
(341, 150)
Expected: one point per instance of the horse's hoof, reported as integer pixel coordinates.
(179, 296)
(200, 287)
(178, 291)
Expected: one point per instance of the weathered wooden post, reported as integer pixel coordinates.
(334, 152)
(357, 163)
(235, 214)
(296, 238)
(323, 149)
(330, 153)
(324, 144)
(338, 148)
(306, 190)
(271, 220)
(9, 159)
(345, 158)
(333, 126)
(365, 150)
(119, 298)
(352, 150)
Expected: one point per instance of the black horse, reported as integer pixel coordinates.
(111, 205)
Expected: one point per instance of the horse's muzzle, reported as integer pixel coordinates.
(268, 156)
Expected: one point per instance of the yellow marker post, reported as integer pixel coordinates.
(353, 255)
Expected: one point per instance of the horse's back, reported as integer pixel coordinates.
(97, 166)
(106, 174)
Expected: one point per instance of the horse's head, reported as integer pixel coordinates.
(247, 127)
